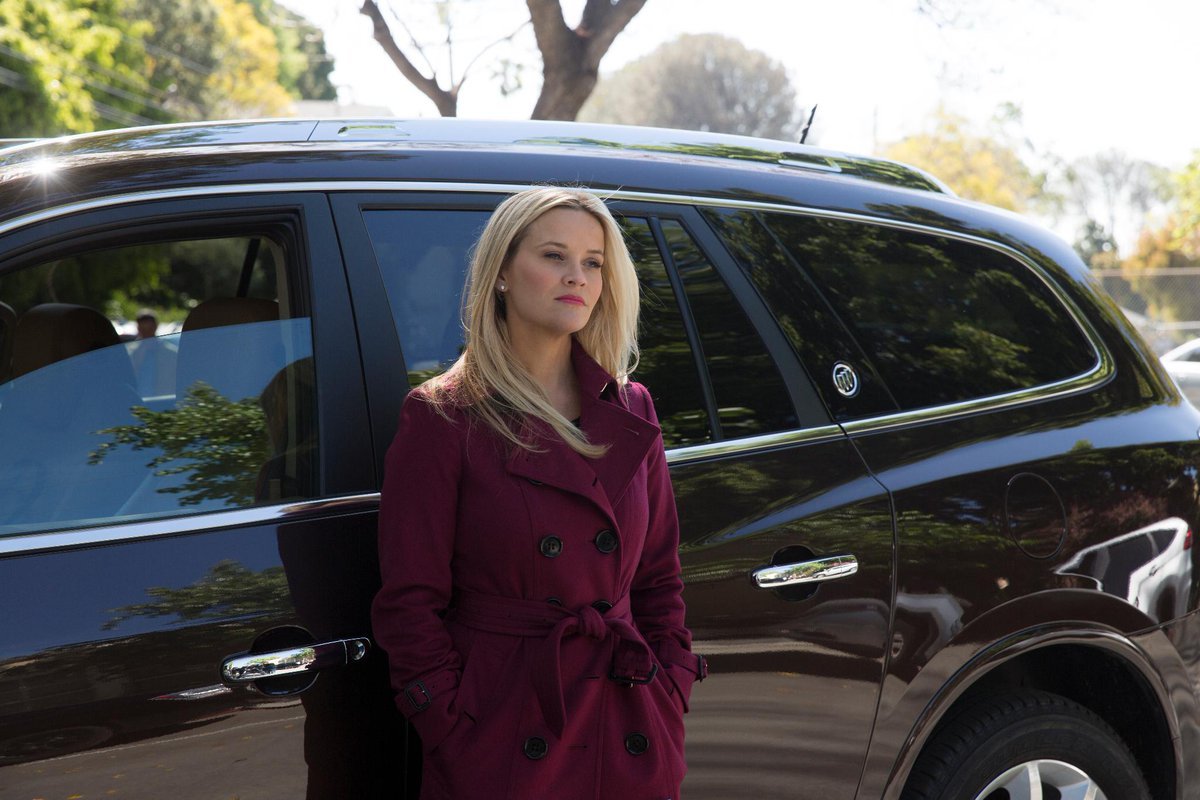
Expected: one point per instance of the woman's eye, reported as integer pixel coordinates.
(595, 264)
(554, 255)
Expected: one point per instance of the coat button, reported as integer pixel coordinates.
(534, 481)
(636, 743)
(602, 605)
(535, 747)
(550, 546)
(605, 541)
(554, 601)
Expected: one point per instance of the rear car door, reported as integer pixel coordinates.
(180, 491)
(762, 479)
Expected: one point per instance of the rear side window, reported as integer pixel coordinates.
(750, 396)
(666, 365)
(152, 379)
(942, 320)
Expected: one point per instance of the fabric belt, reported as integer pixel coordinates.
(632, 660)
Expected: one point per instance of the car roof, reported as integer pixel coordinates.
(523, 134)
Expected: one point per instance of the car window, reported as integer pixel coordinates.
(423, 257)
(750, 394)
(666, 364)
(206, 403)
(942, 320)
(810, 326)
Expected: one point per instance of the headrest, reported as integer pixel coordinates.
(56, 331)
(221, 311)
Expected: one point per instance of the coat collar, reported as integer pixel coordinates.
(606, 419)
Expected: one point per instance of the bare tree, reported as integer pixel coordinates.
(570, 56)
(1115, 190)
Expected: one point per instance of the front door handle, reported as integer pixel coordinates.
(802, 572)
(250, 667)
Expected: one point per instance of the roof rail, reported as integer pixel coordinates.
(523, 133)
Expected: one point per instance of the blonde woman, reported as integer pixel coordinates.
(531, 607)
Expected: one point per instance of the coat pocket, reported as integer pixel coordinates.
(487, 670)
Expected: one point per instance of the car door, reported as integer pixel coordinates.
(177, 494)
(763, 481)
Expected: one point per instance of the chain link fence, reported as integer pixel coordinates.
(1163, 304)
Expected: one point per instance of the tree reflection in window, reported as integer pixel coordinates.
(219, 444)
(943, 320)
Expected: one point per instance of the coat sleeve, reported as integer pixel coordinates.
(656, 596)
(417, 522)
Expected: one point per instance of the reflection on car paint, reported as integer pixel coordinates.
(1150, 567)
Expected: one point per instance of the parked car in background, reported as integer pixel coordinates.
(1183, 364)
(936, 496)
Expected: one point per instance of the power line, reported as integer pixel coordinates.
(142, 100)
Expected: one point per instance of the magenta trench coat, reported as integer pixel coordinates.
(531, 607)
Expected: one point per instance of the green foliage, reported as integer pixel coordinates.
(90, 279)
(304, 66)
(978, 166)
(218, 444)
(703, 82)
(228, 590)
(170, 277)
(72, 66)
(1160, 250)
(1187, 197)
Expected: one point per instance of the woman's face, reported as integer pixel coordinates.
(553, 280)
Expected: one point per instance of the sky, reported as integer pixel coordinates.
(1088, 75)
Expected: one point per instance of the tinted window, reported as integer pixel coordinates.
(208, 403)
(942, 320)
(424, 256)
(804, 316)
(750, 394)
(667, 366)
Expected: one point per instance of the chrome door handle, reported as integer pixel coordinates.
(249, 667)
(801, 572)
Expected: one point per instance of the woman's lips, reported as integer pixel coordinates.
(572, 299)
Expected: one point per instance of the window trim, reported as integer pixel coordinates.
(1101, 372)
(197, 522)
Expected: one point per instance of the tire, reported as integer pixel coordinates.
(997, 748)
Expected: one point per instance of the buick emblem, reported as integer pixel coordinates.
(845, 379)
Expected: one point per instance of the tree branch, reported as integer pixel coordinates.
(602, 22)
(479, 55)
(412, 38)
(446, 101)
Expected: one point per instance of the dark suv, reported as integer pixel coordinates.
(936, 497)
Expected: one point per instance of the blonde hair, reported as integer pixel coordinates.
(487, 379)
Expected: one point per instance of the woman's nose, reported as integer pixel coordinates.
(577, 275)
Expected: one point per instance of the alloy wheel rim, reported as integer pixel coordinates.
(1030, 781)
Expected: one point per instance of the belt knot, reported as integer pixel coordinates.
(591, 623)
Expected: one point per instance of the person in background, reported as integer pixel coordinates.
(153, 357)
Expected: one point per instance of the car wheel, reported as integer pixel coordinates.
(1026, 745)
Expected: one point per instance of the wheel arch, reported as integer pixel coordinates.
(1102, 669)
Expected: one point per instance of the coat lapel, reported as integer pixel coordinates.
(606, 419)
